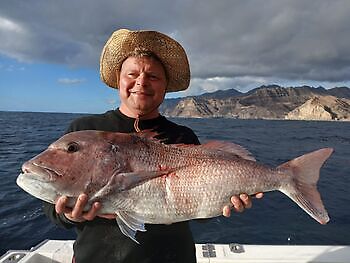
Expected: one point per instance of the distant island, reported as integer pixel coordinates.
(265, 102)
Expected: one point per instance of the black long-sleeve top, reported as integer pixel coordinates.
(100, 240)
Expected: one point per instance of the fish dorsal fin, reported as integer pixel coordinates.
(129, 224)
(148, 134)
(229, 147)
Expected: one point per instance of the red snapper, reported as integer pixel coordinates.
(142, 180)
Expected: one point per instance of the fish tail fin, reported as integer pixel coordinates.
(305, 172)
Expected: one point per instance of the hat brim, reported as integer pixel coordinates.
(123, 42)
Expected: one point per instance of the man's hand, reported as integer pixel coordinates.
(77, 214)
(239, 203)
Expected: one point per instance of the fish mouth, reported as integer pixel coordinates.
(43, 173)
(42, 190)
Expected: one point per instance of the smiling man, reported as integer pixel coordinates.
(143, 66)
(142, 86)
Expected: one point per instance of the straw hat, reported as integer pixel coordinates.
(122, 42)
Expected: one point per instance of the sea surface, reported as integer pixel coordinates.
(275, 219)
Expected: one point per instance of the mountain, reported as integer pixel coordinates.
(221, 94)
(321, 108)
(340, 92)
(265, 102)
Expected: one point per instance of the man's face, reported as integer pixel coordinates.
(142, 85)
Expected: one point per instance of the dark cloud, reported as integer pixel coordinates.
(288, 39)
(285, 39)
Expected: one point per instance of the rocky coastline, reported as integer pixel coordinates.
(265, 102)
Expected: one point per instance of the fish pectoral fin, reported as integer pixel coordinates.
(126, 181)
(129, 224)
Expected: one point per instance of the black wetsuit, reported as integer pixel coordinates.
(100, 240)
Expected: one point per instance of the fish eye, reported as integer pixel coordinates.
(72, 147)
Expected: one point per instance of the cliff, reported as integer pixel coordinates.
(265, 102)
(321, 108)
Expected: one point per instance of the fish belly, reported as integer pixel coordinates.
(196, 192)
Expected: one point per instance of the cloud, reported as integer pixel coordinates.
(111, 101)
(11, 68)
(68, 81)
(228, 42)
(243, 84)
(8, 25)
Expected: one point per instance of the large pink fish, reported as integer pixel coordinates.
(143, 181)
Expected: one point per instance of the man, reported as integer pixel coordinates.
(143, 65)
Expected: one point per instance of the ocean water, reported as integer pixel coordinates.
(275, 219)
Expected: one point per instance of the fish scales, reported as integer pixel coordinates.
(142, 180)
(185, 195)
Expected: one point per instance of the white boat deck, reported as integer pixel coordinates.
(61, 251)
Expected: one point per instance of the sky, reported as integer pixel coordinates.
(49, 50)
